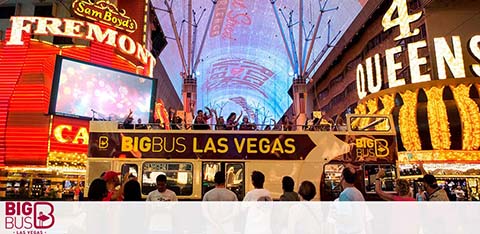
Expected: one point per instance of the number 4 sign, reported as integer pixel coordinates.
(403, 19)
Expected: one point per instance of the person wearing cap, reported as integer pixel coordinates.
(112, 180)
(162, 193)
(435, 193)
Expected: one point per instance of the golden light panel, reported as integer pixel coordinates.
(439, 155)
(407, 120)
(469, 115)
(388, 102)
(438, 119)
(372, 106)
(67, 161)
(361, 109)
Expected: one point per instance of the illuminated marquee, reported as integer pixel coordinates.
(369, 74)
(104, 12)
(78, 29)
(68, 137)
(81, 135)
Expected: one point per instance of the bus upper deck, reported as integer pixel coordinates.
(189, 159)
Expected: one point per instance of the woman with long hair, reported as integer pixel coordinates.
(232, 121)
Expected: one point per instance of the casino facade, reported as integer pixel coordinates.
(418, 61)
(40, 148)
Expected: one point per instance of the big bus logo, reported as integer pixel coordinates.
(28, 215)
(103, 142)
(367, 147)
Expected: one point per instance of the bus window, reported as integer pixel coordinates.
(208, 175)
(235, 178)
(388, 184)
(179, 177)
(129, 169)
(332, 179)
(370, 123)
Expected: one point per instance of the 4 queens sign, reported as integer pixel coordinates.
(28, 217)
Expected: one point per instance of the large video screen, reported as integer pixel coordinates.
(85, 90)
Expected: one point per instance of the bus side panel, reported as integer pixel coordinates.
(311, 171)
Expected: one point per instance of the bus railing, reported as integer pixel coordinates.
(251, 127)
(355, 123)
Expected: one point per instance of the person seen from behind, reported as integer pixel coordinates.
(402, 188)
(131, 191)
(350, 192)
(97, 190)
(307, 191)
(258, 193)
(288, 194)
(304, 218)
(162, 193)
(220, 193)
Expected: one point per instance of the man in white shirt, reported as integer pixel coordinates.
(259, 193)
(220, 193)
(258, 217)
(162, 193)
(350, 192)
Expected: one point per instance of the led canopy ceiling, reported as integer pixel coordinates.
(244, 65)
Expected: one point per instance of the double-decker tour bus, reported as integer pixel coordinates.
(190, 158)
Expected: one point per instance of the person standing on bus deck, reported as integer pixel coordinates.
(201, 120)
(220, 193)
(162, 193)
(350, 192)
(259, 193)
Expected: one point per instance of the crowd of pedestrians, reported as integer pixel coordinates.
(109, 188)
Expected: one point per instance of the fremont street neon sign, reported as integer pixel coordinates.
(78, 29)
